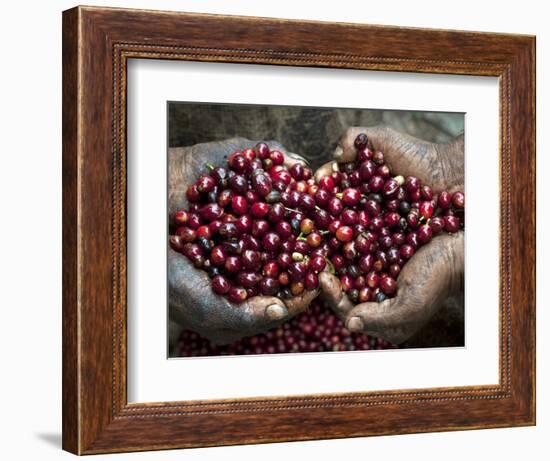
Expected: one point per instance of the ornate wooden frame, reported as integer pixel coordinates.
(97, 43)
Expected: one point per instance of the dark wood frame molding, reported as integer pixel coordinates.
(97, 44)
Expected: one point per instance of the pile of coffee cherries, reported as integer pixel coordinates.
(315, 330)
(378, 221)
(260, 228)
(247, 226)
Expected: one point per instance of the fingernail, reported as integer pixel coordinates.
(355, 324)
(338, 152)
(276, 312)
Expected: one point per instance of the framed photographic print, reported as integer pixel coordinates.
(281, 230)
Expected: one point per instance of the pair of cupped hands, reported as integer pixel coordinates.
(433, 273)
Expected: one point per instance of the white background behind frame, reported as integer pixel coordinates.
(153, 377)
(33, 168)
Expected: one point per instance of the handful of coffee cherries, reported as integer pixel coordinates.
(260, 228)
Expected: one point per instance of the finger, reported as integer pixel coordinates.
(291, 158)
(333, 294)
(325, 170)
(298, 304)
(266, 308)
(345, 150)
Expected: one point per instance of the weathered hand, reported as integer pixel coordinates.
(437, 269)
(441, 166)
(193, 304)
(434, 272)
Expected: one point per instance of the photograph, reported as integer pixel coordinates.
(313, 229)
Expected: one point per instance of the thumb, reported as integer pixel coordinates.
(385, 320)
(333, 295)
(325, 170)
(298, 304)
(270, 308)
(377, 319)
(266, 308)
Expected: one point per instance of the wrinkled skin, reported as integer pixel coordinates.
(193, 304)
(436, 270)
